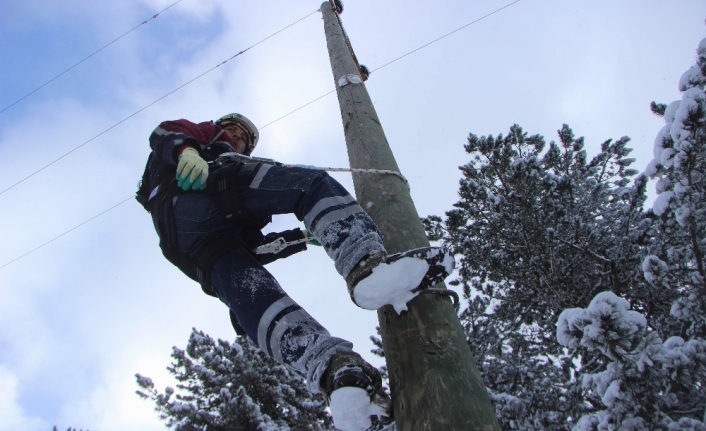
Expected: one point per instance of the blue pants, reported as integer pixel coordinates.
(271, 319)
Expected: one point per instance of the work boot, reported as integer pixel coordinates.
(353, 390)
(379, 280)
(363, 269)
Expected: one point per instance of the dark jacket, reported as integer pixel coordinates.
(210, 141)
(207, 138)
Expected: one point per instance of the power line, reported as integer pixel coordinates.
(241, 52)
(68, 231)
(447, 34)
(89, 56)
(268, 124)
(153, 103)
(303, 106)
(396, 59)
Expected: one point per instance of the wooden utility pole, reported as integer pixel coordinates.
(434, 380)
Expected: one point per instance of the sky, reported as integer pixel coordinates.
(82, 315)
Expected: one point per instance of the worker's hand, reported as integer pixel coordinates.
(310, 237)
(192, 170)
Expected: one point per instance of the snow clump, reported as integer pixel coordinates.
(662, 203)
(653, 268)
(351, 409)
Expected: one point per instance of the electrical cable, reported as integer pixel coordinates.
(396, 59)
(447, 34)
(268, 124)
(292, 112)
(151, 104)
(241, 52)
(70, 230)
(89, 56)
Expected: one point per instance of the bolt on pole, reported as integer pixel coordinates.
(434, 379)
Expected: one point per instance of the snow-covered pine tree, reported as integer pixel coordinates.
(678, 256)
(538, 232)
(649, 383)
(653, 384)
(234, 387)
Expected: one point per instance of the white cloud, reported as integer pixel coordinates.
(12, 414)
(111, 404)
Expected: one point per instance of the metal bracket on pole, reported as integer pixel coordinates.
(349, 78)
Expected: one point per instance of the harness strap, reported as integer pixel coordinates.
(223, 192)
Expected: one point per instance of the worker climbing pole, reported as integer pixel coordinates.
(434, 380)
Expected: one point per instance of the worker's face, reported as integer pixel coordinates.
(239, 138)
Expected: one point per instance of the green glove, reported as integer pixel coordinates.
(192, 170)
(310, 237)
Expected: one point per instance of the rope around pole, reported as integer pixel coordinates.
(240, 158)
(370, 171)
(266, 248)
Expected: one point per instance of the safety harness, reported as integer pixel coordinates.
(222, 191)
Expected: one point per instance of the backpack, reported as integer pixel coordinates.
(143, 187)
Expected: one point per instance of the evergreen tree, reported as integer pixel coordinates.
(650, 383)
(677, 258)
(540, 231)
(549, 238)
(224, 386)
